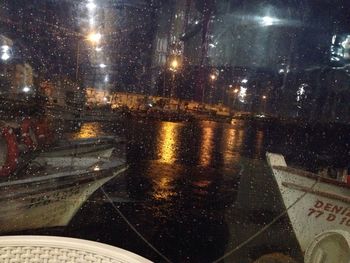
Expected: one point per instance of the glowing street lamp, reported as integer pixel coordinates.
(236, 91)
(94, 37)
(102, 65)
(26, 89)
(213, 77)
(174, 65)
(264, 97)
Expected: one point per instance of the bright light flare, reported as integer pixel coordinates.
(242, 94)
(5, 56)
(236, 90)
(94, 37)
(268, 21)
(26, 89)
(174, 64)
(91, 6)
(244, 81)
(213, 77)
(5, 52)
(264, 97)
(102, 65)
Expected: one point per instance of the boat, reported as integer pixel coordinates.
(91, 147)
(314, 204)
(49, 194)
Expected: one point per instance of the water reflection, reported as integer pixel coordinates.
(168, 141)
(231, 144)
(163, 184)
(258, 144)
(206, 151)
(89, 130)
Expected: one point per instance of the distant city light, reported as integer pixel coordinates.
(26, 89)
(264, 97)
(102, 65)
(281, 71)
(5, 56)
(244, 81)
(242, 94)
(5, 52)
(5, 48)
(235, 90)
(268, 21)
(106, 78)
(94, 37)
(213, 77)
(98, 49)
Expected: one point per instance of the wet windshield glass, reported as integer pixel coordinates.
(179, 130)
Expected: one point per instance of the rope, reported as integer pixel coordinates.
(264, 228)
(133, 228)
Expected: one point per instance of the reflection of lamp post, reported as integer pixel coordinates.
(213, 77)
(94, 38)
(235, 91)
(264, 98)
(174, 66)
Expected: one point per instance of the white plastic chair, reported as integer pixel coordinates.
(48, 249)
(329, 247)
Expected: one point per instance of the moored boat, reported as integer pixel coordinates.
(92, 147)
(314, 204)
(49, 194)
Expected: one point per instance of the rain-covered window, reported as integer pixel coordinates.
(175, 130)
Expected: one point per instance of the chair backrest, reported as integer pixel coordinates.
(49, 249)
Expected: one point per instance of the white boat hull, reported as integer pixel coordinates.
(313, 204)
(48, 201)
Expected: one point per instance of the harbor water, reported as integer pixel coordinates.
(199, 190)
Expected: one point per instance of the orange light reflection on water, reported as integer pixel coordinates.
(88, 130)
(164, 188)
(231, 144)
(168, 141)
(206, 151)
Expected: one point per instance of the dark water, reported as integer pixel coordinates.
(197, 190)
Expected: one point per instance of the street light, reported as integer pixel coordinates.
(174, 65)
(213, 77)
(264, 97)
(26, 89)
(94, 37)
